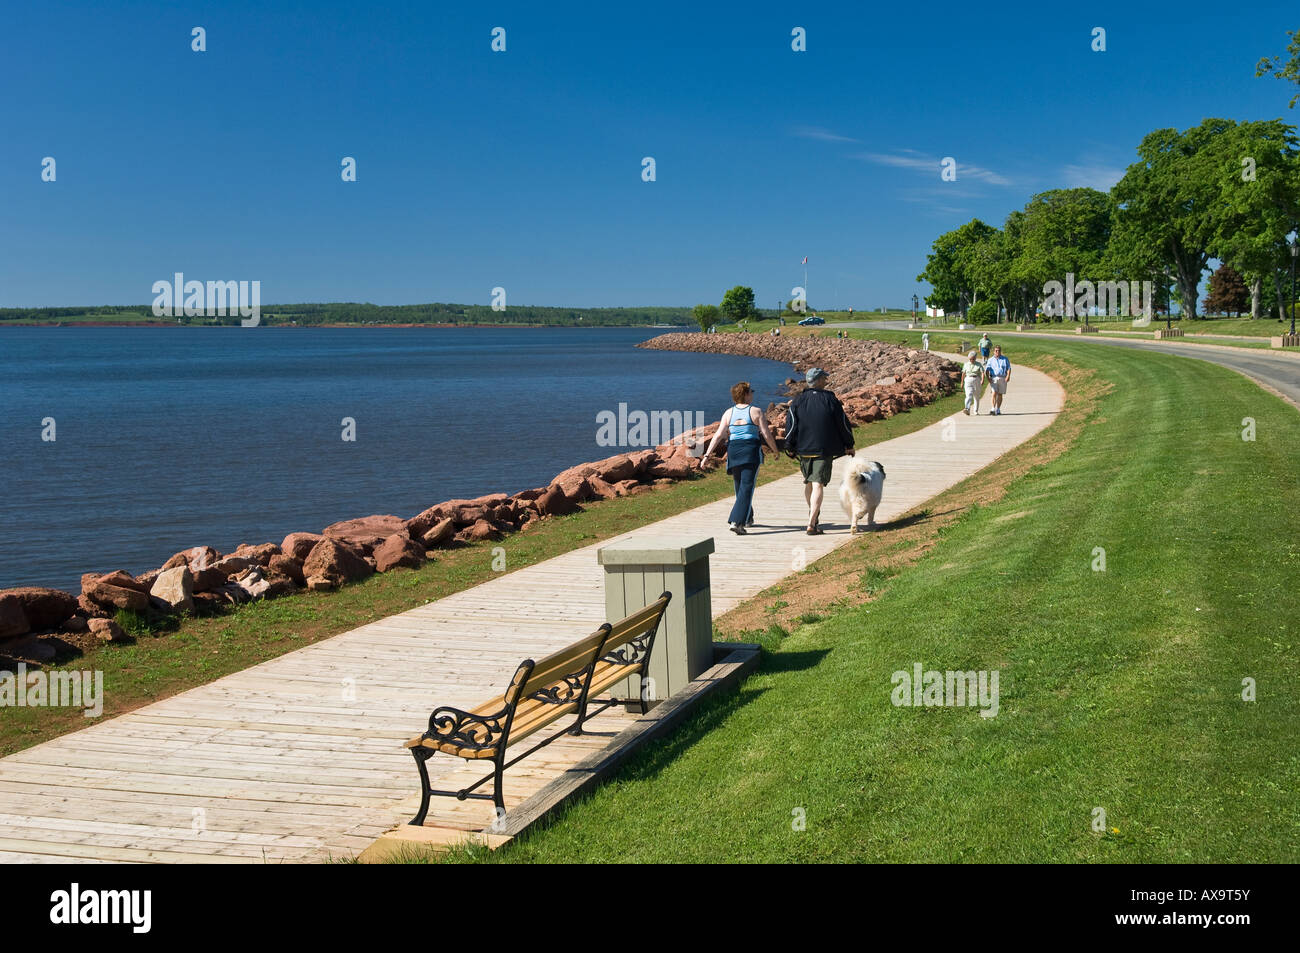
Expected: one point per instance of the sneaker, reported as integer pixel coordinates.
(966, 411)
(737, 529)
(750, 521)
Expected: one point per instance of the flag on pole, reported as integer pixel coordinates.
(805, 260)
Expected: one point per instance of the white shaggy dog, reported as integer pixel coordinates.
(860, 491)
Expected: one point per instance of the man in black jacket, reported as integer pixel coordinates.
(817, 431)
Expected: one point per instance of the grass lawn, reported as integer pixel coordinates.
(199, 650)
(1119, 689)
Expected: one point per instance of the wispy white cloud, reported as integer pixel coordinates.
(1091, 175)
(911, 159)
(821, 134)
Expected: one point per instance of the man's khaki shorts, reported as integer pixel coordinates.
(999, 385)
(816, 469)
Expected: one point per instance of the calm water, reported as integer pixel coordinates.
(171, 438)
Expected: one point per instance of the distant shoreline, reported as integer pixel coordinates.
(303, 327)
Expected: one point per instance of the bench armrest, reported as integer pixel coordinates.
(466, 729)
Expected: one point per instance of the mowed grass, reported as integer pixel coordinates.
(1120, 690)
(196, 651)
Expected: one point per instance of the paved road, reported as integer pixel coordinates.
(1277, 371)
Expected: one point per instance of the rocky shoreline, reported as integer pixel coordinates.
(873, 380)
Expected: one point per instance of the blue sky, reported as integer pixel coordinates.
(522, 169)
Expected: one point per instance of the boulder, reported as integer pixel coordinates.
(288, 567)
(298, 545)
(175, 587)
(107, 630)
(232, 565)
(199, 557)
(13, 621)
(208, 602)
(554, 503)
(367, 532)
(575, 487)
(615, 469)
(116, 589)
(335, 561)
(440, 533)
(399, 550)
(91, 610)
(477, 532)
(321, 584)
(44, 608)
(603, 490)
(206, 580)
(146, 579)
(75, 624)
(260, 554)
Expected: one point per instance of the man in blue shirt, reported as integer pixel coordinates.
(998, 370)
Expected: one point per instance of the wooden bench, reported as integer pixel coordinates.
(540, 693)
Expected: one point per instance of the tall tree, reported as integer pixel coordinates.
(738, 304)
(1169, 200)
(1289, 71)
(706, 315)
(953, 267)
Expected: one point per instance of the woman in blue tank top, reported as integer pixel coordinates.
(747, 435)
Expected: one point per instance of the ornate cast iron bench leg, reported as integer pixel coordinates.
(422, 755)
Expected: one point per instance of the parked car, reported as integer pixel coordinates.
(812, 319)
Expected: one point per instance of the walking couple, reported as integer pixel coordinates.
(817, 432)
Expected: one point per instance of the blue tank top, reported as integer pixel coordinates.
(742, 428)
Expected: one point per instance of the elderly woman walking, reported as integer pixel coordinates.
(747, 435)
(972, 376)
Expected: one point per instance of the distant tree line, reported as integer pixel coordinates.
(349, 313)
(1223, 190)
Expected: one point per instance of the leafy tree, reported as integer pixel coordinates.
(1228, 293)
(738, 304)
(983, 311)
(1259, 202)
(1170, 199)
(1290, 71)
(957, 266)
(706, 315)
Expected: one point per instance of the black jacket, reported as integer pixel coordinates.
(817, 425)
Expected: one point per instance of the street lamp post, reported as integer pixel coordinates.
(915, 302)
(1295, 250)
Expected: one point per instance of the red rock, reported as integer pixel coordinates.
(180, 559)
(576, 488)
(298, 545)
(207, 580)
(43, 608)
(208, 602)
(107, 630)
(677, 467)
(13, 621)
(335, 562)
(260, 554)
(146, 579)
(232, 565)
(116, 589)
(29, 650)
(421, 523)
(602, 489)
(625, 487)
(200, 557)
(288, 567)
(91, 610)
(477, 532)
(366, 532)
(120, 578)
(615, 469)
(439, 533)
(399, 550)
(554, 503)
(533, 494)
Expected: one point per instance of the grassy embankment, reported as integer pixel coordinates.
(1120, 689)
(199, 650)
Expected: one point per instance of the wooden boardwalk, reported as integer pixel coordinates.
(300, 758)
